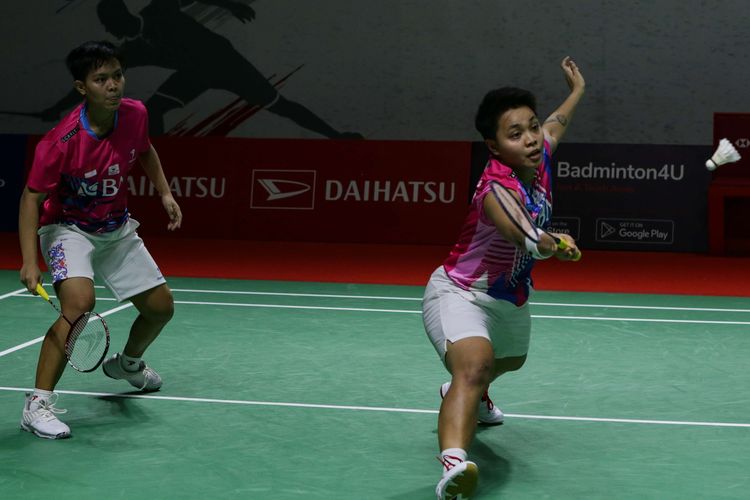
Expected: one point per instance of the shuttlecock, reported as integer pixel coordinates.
(725, 153)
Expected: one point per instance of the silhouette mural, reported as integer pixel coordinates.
(164, 35)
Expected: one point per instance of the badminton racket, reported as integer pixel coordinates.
(87, 342)
(520, 217)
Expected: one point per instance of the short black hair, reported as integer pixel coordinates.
(497, 102)
(90, 56)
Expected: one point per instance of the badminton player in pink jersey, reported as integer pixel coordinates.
(75, 199)
(475, 307)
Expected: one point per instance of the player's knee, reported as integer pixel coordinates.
(163, 311)
(75, 305)
(476, 373)
(160, 307)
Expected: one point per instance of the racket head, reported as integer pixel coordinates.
(517, 214)
(521, 218)
(87, 343)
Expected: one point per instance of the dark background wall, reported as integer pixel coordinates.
(409, 70)
(416, 69)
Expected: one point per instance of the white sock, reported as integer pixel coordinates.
(38, 396)
(129, 364)
(452, 456)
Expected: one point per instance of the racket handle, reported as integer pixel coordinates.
(42, 292)
(563, 245)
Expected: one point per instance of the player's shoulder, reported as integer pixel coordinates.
(498, 172)
(62, 133)
(132, 105)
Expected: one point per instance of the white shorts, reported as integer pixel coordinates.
(451, 313)
(119, 257)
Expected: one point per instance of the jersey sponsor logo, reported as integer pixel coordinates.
(70, 134)
(283, 189)
(98, 189)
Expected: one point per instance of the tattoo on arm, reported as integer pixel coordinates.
(561, 119)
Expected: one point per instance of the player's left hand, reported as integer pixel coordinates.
(573, 75)
(570, 253)
(173, 210)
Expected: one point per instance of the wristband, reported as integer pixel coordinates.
(533, 249)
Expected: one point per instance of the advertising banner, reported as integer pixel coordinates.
(308, 190)
(628, 197)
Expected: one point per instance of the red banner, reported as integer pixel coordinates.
(309, 190)
(736, 128)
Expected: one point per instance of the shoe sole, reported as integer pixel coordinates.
(30, 429)
(464, 484)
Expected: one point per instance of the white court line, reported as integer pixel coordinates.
(406, 311)
(382, 409)
(646, 320)
(286, 306)
(289, 294)
(11, 294)
(380, 297)
(660, 308)
(39, 339)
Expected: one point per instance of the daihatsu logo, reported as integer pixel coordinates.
(283, 189)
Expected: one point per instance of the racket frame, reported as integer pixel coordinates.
(69, 339)
(559, 242)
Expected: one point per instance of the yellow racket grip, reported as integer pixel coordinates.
(563, 245)
(42, 292)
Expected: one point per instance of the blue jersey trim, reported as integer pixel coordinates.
(87, 127)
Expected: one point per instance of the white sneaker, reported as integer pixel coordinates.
(459, 479)
(145, 379)
(489, 414)
(41, 420)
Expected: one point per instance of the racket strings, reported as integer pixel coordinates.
(87, 342)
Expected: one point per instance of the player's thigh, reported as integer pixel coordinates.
(125, 265)
(449, 314)
(67, 252)
(510, 330)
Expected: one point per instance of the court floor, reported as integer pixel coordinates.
(291, 390)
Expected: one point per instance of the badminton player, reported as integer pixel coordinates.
(75, 199)
(475, 307)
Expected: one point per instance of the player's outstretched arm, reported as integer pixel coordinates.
(557, 123)
(152, 166)
(511, 232)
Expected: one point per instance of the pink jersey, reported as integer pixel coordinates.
(482, 259)
(83, 175)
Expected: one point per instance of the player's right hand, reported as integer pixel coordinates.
(30, 277)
